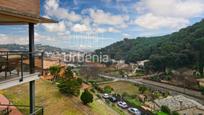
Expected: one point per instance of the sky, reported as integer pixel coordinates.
(93, 24)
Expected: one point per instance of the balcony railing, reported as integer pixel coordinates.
(6, 109)
(15, 64)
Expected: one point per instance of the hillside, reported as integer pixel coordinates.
(54, 102)
(25, 47)
(182, 48)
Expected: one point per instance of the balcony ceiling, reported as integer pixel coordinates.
(13, 17)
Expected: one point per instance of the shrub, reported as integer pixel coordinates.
(108, 89)
(174, 113)
(98, 95)
(92, 90)
(142, 89)
(165, 109)
(86, 97)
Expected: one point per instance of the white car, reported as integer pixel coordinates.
(122, 104)
(105, 96)
(134, 111)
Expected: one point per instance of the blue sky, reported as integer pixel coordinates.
(92, 24)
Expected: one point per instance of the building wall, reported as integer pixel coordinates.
(27, 6)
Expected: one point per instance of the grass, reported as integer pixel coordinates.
(123, 87)
(118, 109)
(161, 113)
(133, 101)
(47, 95)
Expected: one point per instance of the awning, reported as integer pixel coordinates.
(13, 17)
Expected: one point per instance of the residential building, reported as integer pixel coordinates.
(17, 67)
(181, 104)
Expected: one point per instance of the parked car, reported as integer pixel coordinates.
(122, 104)
(112, 99)
(134, 111)
(105, 96)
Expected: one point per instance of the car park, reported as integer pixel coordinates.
(134, 111)
(112, 99)
(105, 96)
(122, 104)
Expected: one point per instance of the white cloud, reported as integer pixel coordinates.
(5, 39)
(151, 21)
(53, 9)
(80, 28)
(103, 30)
(171, 8)
(173, 14)
(113, 30)
(100, 30)
(55, 27)
(101, 17)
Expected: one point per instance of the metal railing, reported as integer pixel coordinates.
(18, 62)
(7, 109)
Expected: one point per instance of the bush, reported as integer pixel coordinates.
(98, 95)
(86, 97)
(174, 113)
(142, 89)
(92, 90)
(108, 89)
(165, 109)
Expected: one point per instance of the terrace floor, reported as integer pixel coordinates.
(14, 79)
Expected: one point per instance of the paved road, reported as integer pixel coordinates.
(161, 86)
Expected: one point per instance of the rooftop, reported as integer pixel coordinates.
(179, 102)
(12, 16)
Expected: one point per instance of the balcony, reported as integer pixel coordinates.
(15, 67)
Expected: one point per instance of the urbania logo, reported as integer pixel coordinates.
(86, 57)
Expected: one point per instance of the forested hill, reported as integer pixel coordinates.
(177, 49)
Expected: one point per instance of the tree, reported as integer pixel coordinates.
(69, 87)
(68, 73)
(199, 47)
(165, 109)
(108, 89)
(54, 71)
(86, 97)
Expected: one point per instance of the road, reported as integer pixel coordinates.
(196, 95)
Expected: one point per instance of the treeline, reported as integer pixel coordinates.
(179, 49)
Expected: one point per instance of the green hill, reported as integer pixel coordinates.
(182, 48)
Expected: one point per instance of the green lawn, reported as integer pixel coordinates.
(123, 87)
(161, 113)
(47, 95)
(133, 101)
